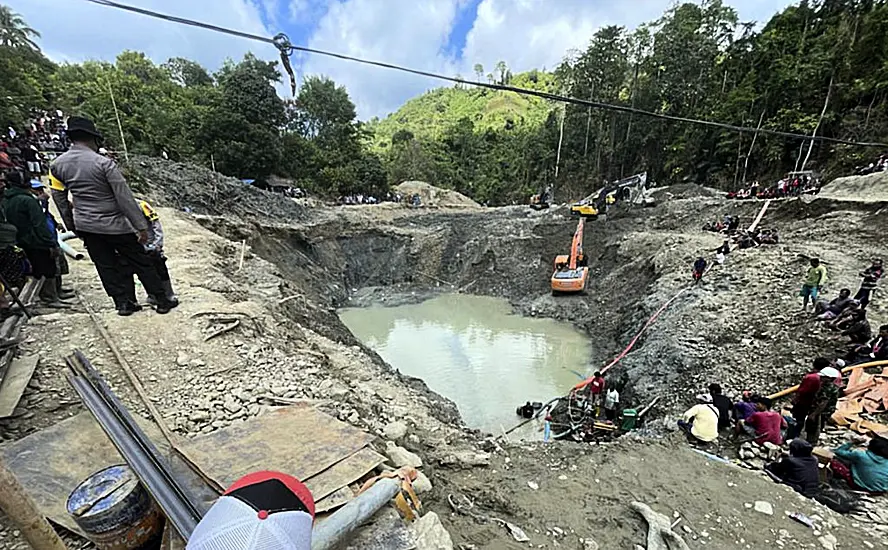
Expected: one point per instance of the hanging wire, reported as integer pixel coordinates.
(286, 48)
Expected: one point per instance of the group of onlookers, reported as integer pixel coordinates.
(790, 186)
(122, 235)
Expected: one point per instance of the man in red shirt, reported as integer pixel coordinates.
(596, 391)
(804, 397)
(765, 424)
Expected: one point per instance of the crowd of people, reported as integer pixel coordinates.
(793, 185)
(360, 198)
(753, 418)
(877, 165)
(124, 236)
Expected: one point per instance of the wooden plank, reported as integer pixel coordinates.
(343, 473)
(299, 440)
(341, 497)
(15, 380)
(53, 462)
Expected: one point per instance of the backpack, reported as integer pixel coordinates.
(837, 500)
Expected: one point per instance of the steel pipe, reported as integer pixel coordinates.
(135, 447)
(338, 526)
(66, 248)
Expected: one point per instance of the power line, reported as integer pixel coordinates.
(283, 44)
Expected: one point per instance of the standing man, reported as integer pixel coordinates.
(106, 217)
(596, 391)
(871, 276)
(803, 399)
(814, 281)
(824, 404)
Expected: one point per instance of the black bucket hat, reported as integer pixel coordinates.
(81, 125)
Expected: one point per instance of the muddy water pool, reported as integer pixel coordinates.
(476, 352)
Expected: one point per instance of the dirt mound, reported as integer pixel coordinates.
(869, 188)
(435, 196)
(685, 191)
(194, 188)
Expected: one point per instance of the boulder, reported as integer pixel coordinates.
(430, 534)
(395, 430)
(400, 457)
(421, 484)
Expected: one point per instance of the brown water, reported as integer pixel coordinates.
(475, 351)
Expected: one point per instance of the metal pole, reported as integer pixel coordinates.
(338, 526)
(20, 508)
(15, 297)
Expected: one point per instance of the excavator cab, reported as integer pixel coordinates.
(571, 271)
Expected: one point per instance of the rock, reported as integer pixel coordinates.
(422, 484)
(232, 406)
(400, 457)
(395, 430)
(763, 507)
(533, 485)
(589, 544)
(199, 416)
(828, 541)
(430, 534)
(466, 459)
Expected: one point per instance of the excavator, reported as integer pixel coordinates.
(571, 272)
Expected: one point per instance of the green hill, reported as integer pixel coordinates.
(430, 114)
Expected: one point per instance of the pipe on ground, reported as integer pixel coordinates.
(66, 248)
(338, 526)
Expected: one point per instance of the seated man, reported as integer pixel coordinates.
(859, 330)
(865, 470)
(700, 422)
(846, 318)
(798, 470)
(764, 424)
(826, 311)
(744, 407)
(875, 350)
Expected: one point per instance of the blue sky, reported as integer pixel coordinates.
(444, 36)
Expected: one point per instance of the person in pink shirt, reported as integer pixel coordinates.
(764, 424)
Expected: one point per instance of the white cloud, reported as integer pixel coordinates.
(403, 32)
(525, 34)
(74, 30)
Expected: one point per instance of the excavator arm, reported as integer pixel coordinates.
(576, 248)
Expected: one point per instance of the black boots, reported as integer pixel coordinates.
(163, 305)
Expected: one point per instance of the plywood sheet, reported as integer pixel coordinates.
(15, 380)
(53, 462)
(340, 497)
(344, 472)
(299, 440)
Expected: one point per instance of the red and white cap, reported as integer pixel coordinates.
(261, 511)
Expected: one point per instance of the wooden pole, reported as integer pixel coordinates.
(788, 391)
(23, 512)
(117, 116)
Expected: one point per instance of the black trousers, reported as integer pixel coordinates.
(160, 265)
(116, 258)
(42, 262)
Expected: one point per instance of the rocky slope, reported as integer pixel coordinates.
(739, 327)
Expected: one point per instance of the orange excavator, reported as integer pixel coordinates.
(571, 272)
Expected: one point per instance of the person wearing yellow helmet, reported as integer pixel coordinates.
(154, 248)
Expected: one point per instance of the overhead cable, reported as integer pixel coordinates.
(283, 44)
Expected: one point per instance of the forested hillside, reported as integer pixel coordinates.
(820, 66)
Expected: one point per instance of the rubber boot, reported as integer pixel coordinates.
(170, 294)
(49, 296)
(163, 305)
(64, 293)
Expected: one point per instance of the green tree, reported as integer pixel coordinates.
(185, 72)
(479, 71)
(14, 32)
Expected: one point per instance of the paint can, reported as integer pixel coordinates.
(115, 512)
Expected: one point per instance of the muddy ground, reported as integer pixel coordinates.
(740, 327)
